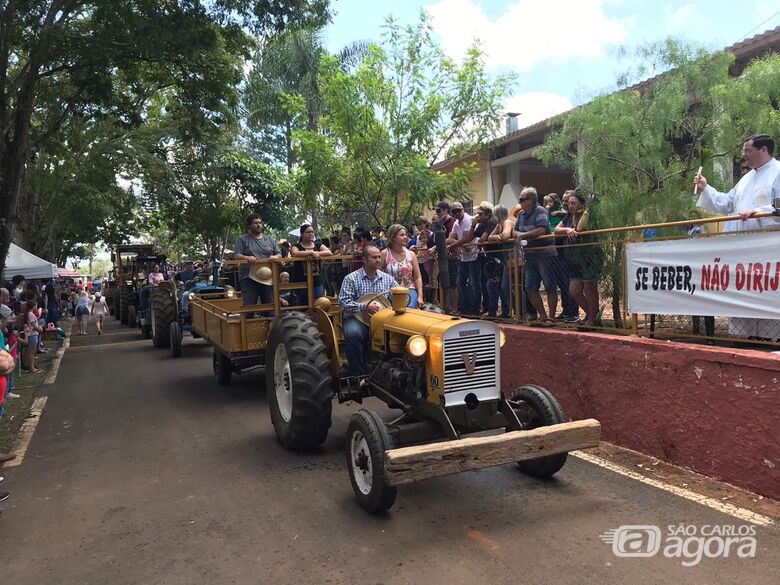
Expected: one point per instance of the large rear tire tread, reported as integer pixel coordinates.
(132, 316)
(164, 309)
(370, 425)
(547, 412)
(124, 303)
(116, 304)
(312, 392)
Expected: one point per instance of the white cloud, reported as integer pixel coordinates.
(529, 32)
(683, 17)
(535, 106)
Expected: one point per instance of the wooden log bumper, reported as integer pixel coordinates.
(410, 464)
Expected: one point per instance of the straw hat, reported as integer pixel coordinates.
(380, 299)
(262, 274)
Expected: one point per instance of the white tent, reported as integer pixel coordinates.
(20, 261)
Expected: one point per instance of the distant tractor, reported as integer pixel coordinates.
(442, 373)
(132, 264)
(170, 310)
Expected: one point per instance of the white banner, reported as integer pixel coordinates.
(731, 275)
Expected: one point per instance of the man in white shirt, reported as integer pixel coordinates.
(469, 290)
(757, 191)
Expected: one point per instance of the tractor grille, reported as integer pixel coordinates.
(482, 350)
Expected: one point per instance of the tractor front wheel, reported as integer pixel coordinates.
(298, 382)
(367, 441)
(175, 333)
(163, 314)
(537, 407)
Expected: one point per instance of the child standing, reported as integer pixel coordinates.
(12, 342)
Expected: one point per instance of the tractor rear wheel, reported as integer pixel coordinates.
(175, 334)
(132, 315)
(537, 407)
(124, 302)
(222, 369)
(367, 441)
(115, 303)
(163, 314)
(298, 382)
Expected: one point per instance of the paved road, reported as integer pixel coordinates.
(144, 471)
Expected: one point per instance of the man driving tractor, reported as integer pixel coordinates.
(357, 306)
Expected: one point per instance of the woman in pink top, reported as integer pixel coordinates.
(155, 276)
(401, 263)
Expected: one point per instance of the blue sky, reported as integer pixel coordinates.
(564, 52)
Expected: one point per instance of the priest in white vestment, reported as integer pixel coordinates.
(758, 190)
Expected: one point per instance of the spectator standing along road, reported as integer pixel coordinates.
(469, 287)
(584, 263)
(481, 228)
(450, 285)
(498, 284)
(532, 222)
(376, 238)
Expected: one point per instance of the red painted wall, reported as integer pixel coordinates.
(713, 410)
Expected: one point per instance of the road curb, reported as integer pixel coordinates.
(55, 367)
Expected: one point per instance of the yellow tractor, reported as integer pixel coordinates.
(440, 372)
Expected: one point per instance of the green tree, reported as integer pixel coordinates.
(288, 64)
(404, 107)
(71, 194)
(65, 58)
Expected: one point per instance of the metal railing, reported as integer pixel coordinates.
(573, 285)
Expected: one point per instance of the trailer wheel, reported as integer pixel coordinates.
(163, 314)
(298, 382)
(537, 407)
(131, 316)
(222, 370)
(367, 441)
(175, 334)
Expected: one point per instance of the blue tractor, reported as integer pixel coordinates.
(170, 308)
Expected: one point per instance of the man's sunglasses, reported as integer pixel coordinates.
(521, 199)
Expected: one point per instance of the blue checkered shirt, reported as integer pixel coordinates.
(356, 284)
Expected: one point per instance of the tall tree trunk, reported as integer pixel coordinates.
(288, 146)
(12, 160)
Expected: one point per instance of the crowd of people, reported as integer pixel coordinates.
(28, 310)
(482, 251)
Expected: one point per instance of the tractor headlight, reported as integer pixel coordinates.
(191, 296)
(230, 293)
(416, 346)
(501, 338)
